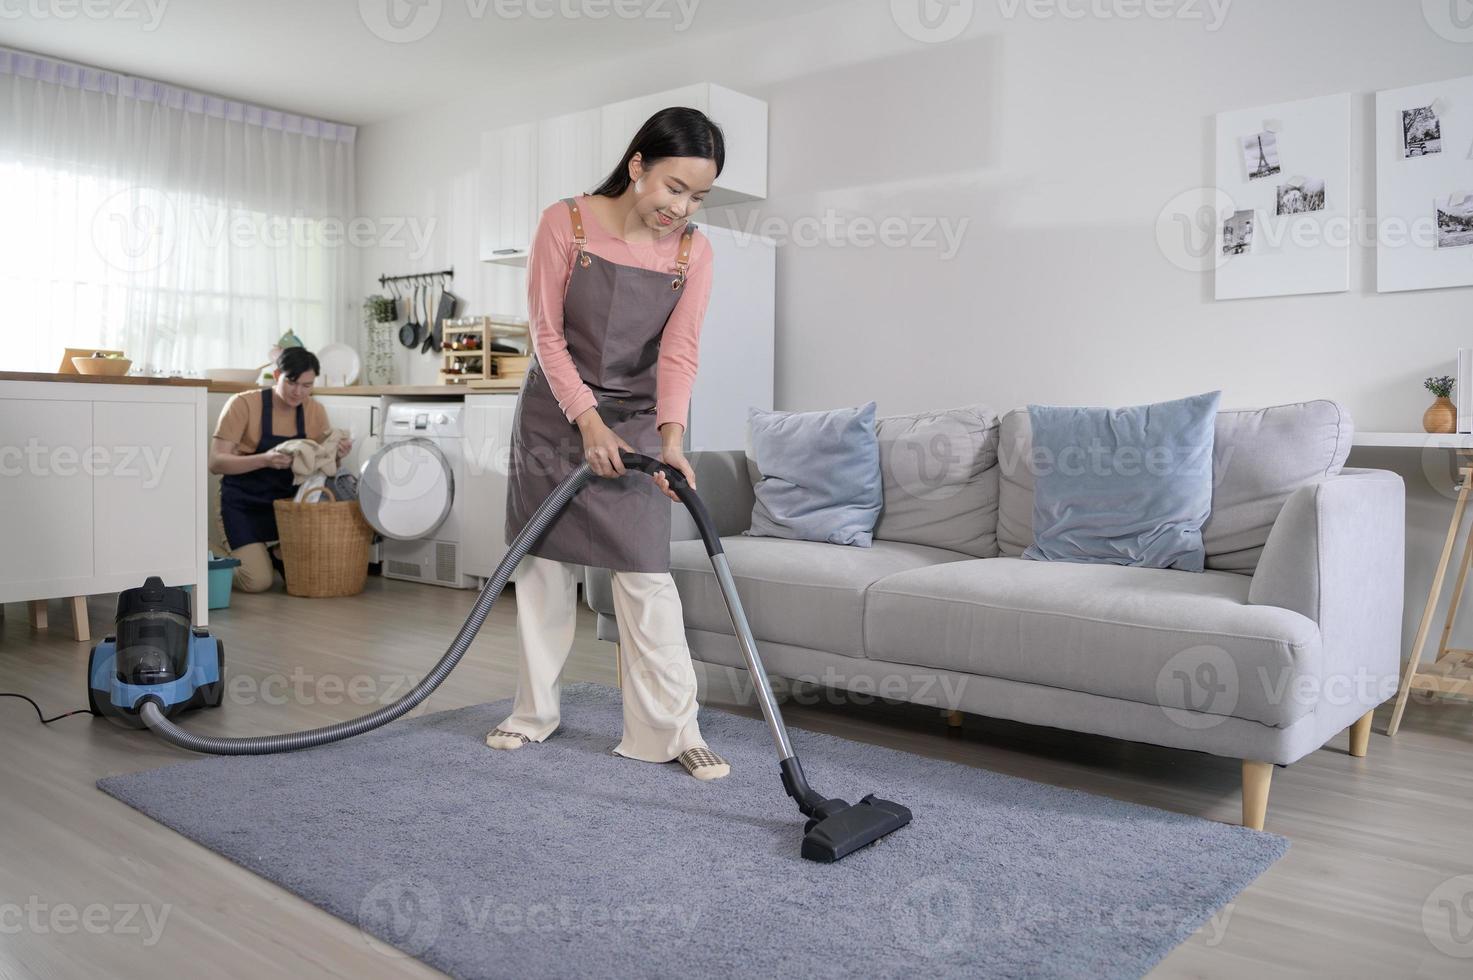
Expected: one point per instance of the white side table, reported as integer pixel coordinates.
(1452, 670)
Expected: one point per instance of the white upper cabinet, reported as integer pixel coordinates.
(525, 168)
(509, 207)
(569, 156)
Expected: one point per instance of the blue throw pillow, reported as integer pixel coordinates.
(819, 474)
(1123, 486)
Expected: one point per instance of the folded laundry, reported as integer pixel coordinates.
(311, 457)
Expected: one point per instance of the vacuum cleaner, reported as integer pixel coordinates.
(158, 665)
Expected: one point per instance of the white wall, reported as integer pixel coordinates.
(1057, 141)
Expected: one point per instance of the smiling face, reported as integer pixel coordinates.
(667, 193)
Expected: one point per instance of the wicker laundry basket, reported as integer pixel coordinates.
(324, 545)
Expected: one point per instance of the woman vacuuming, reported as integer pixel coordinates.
(617, 287)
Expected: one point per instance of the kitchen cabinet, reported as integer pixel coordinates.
(363, 417)
(526, 167)
(488, 425)
(101, 486)
(508, 187)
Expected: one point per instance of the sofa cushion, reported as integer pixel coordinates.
(806, 593)
(1123, 486)
(1188, 642)
(940, 479)
(1260, 456)
(820, 474)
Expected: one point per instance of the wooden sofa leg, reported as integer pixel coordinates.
(954, 718)
(38, 614)
(1256, 777)
(1360, 735)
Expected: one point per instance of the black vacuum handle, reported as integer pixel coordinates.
(682, 488)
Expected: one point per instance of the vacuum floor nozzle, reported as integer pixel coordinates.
(846, 829)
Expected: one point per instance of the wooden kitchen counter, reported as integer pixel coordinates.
(123, 379)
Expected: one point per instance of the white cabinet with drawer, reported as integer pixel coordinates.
(101, 486)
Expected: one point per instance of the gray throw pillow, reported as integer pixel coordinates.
(818, 474)
(1123, 486)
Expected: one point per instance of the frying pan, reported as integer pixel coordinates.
(409, 332)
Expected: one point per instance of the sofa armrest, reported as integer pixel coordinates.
(1336, 555)
(725, 489)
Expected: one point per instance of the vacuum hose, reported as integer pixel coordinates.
(154, 718)
(834, 829)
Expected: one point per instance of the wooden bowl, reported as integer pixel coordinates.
(112, 367)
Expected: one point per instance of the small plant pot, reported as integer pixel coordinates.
(1441, 417)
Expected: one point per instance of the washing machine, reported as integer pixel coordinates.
(408, 491)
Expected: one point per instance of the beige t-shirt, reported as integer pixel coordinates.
(240, 420)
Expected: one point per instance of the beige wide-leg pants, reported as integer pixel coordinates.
(659, 681)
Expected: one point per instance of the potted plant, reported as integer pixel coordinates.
(1443, 415)
(380, 309)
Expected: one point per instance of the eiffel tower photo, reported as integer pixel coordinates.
(1261, 153)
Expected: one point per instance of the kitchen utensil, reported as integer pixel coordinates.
(429, 324)
(409, 333)
(445, 311)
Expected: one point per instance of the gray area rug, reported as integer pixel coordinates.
(561, 859)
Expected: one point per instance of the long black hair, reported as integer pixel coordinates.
(677, 131)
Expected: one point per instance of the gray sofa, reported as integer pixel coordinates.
(1291, 635)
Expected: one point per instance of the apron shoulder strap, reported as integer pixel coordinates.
(579, 238)
(266, 432)
(682, 261)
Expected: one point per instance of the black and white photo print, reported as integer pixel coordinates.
(1421, 132)
(1308, 195)
(1455, 220)
(1237, 233)
(1261, 155)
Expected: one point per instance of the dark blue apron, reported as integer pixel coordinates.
(246, 498)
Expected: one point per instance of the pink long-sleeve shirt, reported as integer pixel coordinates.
(549, 266)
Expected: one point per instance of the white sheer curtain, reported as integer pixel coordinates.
(187, 230)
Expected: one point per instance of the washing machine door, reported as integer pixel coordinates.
(406, 489)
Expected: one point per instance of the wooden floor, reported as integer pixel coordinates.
(1372, 838)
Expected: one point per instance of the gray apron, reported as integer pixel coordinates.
(613, 318)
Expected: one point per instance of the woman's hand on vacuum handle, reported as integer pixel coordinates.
(601, 445)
